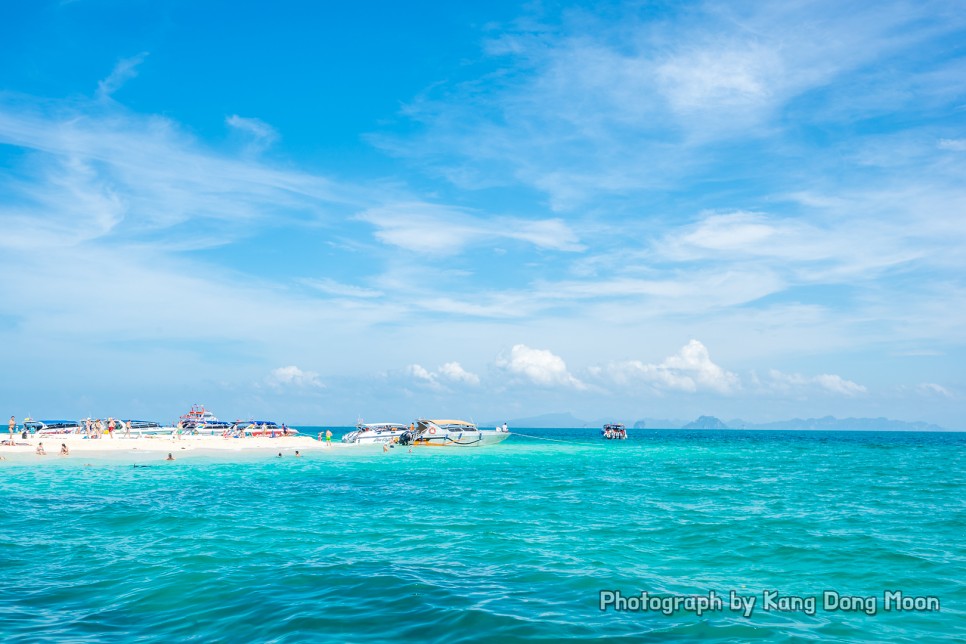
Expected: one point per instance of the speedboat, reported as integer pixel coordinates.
(259, 429)
(143, 429)
(54, 428)
(451, 433)
(614, 431)
(201, 422)
(376, 433)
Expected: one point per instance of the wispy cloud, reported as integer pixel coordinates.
(120, 173)
(954, 145)
(443, 230)
(932, 389)
(795, 383)
(292, 376)
(597, 107)
(124, 70)
(448, 373)
(261, 133)
(779, 180)
(332, 287)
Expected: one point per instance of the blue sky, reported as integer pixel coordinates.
(319, 211)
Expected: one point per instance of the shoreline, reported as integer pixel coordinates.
(160, 445)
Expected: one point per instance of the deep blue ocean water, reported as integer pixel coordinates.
(513, 542)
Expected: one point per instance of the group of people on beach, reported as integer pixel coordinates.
(96, 428)
(64, 451)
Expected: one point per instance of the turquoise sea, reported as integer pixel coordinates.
(507, 543)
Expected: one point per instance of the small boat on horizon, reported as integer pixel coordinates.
(614, 431)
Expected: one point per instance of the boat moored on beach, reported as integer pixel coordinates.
(375, 433)
(201, 422)
(260, 428)
(144, 429)
(451, 433)
(53, 428)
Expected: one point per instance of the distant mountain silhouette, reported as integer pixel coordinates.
(833, 423)
(705, 422)
(828, 423)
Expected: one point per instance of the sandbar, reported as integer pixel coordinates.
(160, 445)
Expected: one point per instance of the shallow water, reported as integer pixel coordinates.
(512, 542)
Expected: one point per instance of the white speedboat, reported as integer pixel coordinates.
(54, 428)
(201, 422)
(614, 431)
(259, 428)
(376, 433)
(143, 429)
(451, 433)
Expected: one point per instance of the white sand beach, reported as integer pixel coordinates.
(159, 445)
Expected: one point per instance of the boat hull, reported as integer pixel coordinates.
(481, 438)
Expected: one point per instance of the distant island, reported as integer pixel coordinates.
(827, 423)
(706, 422)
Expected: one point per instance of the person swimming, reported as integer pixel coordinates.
(170, 457)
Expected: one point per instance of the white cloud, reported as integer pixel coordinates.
(448, 373)
(796, 383)
(119, 173)
(732, 79)
(690, 370)
(741, 231)
(420, 372)
(331, 287)
(954, 145)
(292, 376)
(839, 385)
(453, 371)
(424, 227)
(590, 106)
(932, 389)
(540, 367)
(124, 70)
(262, 134)
(847, 249)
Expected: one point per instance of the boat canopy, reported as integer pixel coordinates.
(381, 426)
(457, 425)
(142, 424)
(50, 424)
